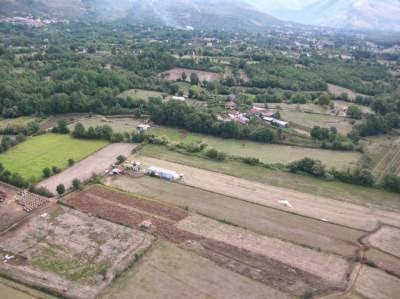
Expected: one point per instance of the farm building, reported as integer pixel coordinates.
(166, 174)
(277, 122)
(175, 98)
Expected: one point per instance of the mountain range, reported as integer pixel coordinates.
(254, 15)
(355, 14)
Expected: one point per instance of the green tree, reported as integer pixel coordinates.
(194, 79)
(354, 112)
(61, 189)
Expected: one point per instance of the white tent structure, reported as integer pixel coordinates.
(163, 173)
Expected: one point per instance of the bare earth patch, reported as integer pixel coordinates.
(176, 73)
(83, 170)
(387, 239)
(67, 252)
(317, 207)
(331, 268)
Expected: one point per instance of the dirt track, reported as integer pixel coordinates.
(317, 207)
(83, 170)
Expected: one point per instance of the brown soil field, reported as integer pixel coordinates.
(176, 73)
(316, 207)
(83, 170)
(110, 207)
(260, 268)
(375, 284)
(330, 268)
(279, 224)
(170, 272)
(151, 207)
(384, 261)
(69, 253)
(387, 239)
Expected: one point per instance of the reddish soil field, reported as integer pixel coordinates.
(118, 208)
(144, 205)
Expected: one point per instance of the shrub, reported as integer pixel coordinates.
(71, 162)
(391, 182)
(215, 155)
(251, 161)
(60, 189)
(121, 159)
(76, 184)
(46, 172)
(56, 170)
(41, 191)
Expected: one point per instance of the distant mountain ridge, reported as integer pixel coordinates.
(199, 14)
(350, 14)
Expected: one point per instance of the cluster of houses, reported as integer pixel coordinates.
(244, 118)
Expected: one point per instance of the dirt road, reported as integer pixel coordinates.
(83, 170)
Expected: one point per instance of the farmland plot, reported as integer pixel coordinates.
(119, 125)
(331, 268)
(384, 261)
(387, 239)
(170, 272)
(65, 251)
(30, 157)
(373, 283)
(263, 220)
(359, 195)
(317, 207)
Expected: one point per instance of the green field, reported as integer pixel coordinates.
(30, 157)
(266, 153)
(309, 120)
(303, 183)
(274, 153)
(176, 135)
(137, 94)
